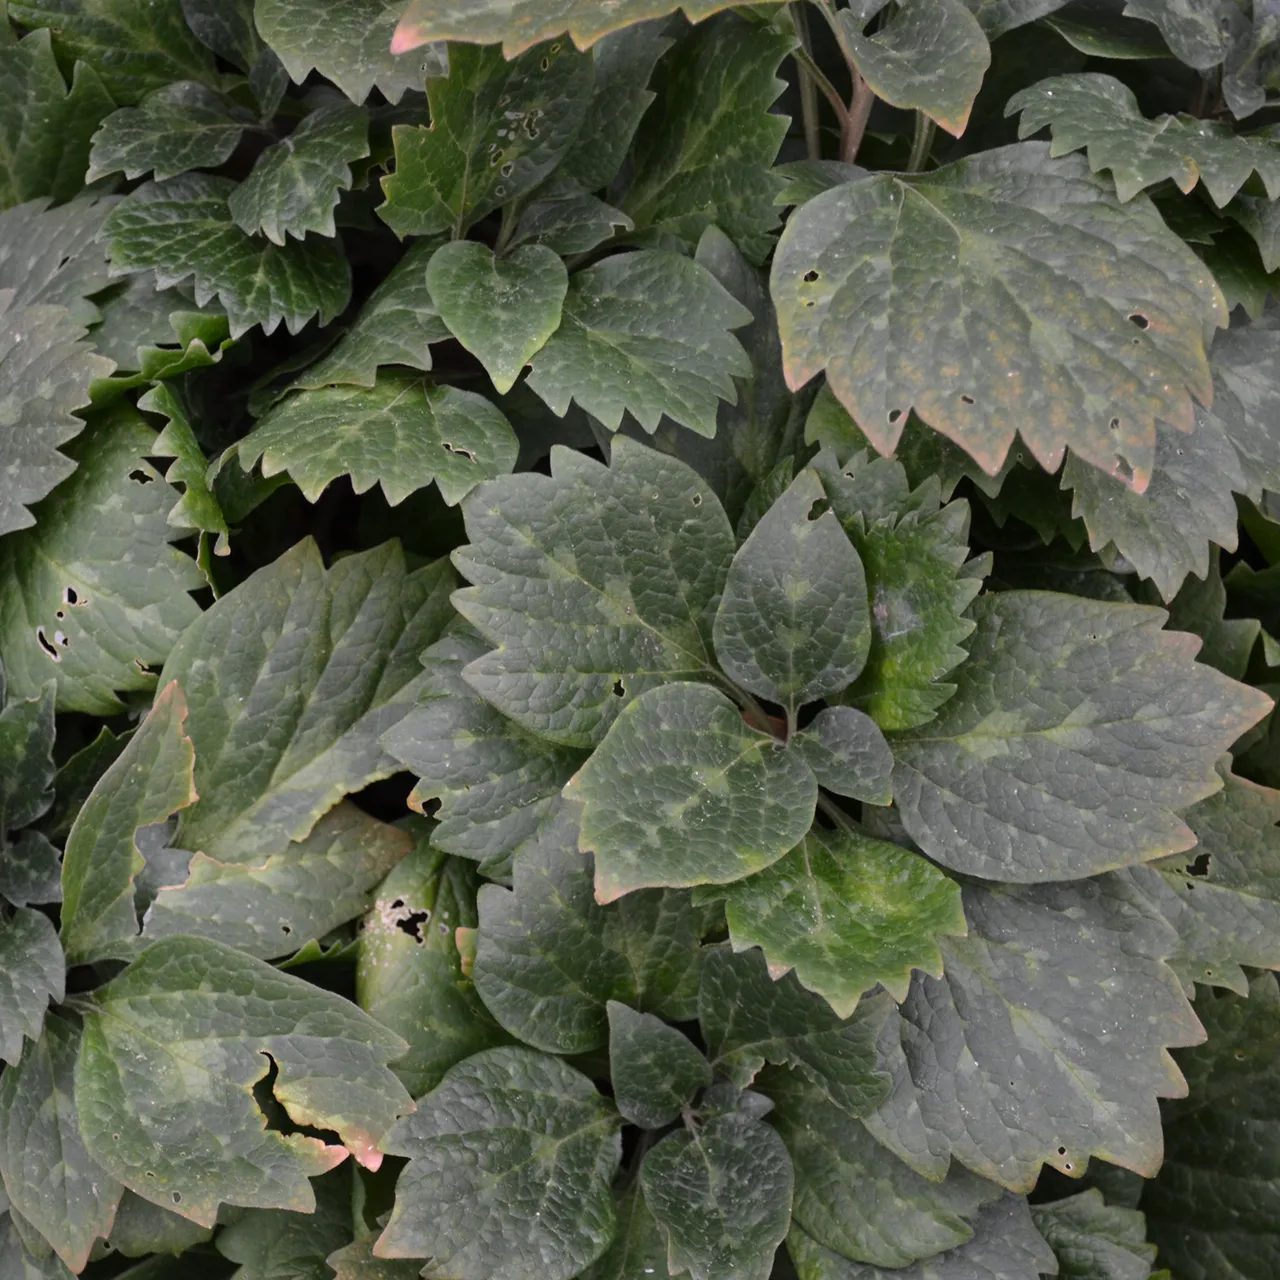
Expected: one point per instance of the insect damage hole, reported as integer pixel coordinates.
(140, 476)
(811, 277)
(1142, 321)
(50, 651)
(1200, 867)
(965, 398)
(895, 415)
(618, 690)
(450, 447)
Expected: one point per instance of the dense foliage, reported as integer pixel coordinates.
(636, 639)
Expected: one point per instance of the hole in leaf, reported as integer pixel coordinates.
(284, 928)
(176, 1197)
(1200, 867)
(450, 447)
(397, 904)
(1114, 424)
(412, 923)
(819, 509)
(496, 159)
(508, 169)
(1062, 1151)
(150, 1174)
(697, 499)
(47, 646)
(1143, 322)
(545, 64)
(59, 614)
(1124, 470)
(1238, 1055)
(809, 302)
(140, 476)
(618, 690)
(895, 414)
(966, 399)
(146, 668)
(811, 277)
(555, 48)
(71, 596)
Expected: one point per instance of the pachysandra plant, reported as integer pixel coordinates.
(637, 639)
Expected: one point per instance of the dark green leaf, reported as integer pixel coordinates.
(494, 780)
(703, 152)
(20, 1264)
(403, 433)
(295, 184)
(50, 1178)
(44, 128)
(184, 227)
(732, 799)
(26, 761)
(749, 1019)
(30, 871)
(858, 1199)
(511, 1157)
(32, 973)
(502, 310)
(930, 56)
(52, 255)
(227, 28)
(142, 1227)
(996, 17)
(1098, 28)
(568, 220)
(95, 596)
(1200, 32)
(150, 781)
(134, 48)
(638, 1249)
(1094, 1240)
(497, 129)
(793, 624)
(350, 43)
(1124, 729)
(182, 126)
(721, 1195)
(970, 1083)
(172, 1050)
(655, 1069)
(332, 655)
(846, 912)
(554, 556)
(1247, 398)
(1200, 607)
(357, 1262)
(409, 972)
(848, 754)
(1008, 262)
(645, 333)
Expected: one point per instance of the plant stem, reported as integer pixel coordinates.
(808, 85)
(835, 812)
(920, 143)
(855, 124)
(820, 82)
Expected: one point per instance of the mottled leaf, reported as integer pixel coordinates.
(1247, 398)
(172, 1050)
(568, 220)
(51, 255)
(95, 596)
(1078, 730)
(646, 333)
(32, 972)
(26, 762)
(183, 227)
(1095, 1240)
(848, 754)
(655, 1069)
(511, 1157)
(502, 309)
(1007, 293)
(328, 659)
(1200, 32)
(295, 184)
(638, 1248)
(151, 780)
(30, 871)
(402, 433)
(357, 1262)
(554, 557)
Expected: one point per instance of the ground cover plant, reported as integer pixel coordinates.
(638, 639)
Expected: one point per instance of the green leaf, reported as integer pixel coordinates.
(703, 153)
(721, 1195)
(638, 1248)
(76, 777)
(995, 17)
(549, 958)
(20, 1264)
(330, 659)
(50, 1178)
(921, 582)
(793, 624)
(1212, 1210)
(655, 1069)
(1095, 1239)
(511, 1157)
(26, 760)
(1005, 1246)
(568, 220)
(1097, 309)
(45, 373)
(554, 556)
(295, 184)
(502, 310)
(930, 56)
(351, 45)
(497, 129)
(1247, 396)
(494, 780)
(1200, 607)
(397, 325)
(270, 906)
(184, 227)
(133, 48)
(44, 127)
(732, 801)
(845, 912)
(1095, 27)
(403, 433)
(30, 871)
(1200, 32)
(970, 1083)
(409, 972)
(848, 754)
(198, 508)
(142, 1227)
(1099, 113)
(521, 23)
(1124, 729)
(645, 333)
(32, 972)
(172, 1050)
(227, 29)
(274, 1244)
(357, 1262)
(183, 126)
(151, 780)
(856, 1198)
(1260, 218)
(141, 323)
(748, 1019)
(95, 596)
